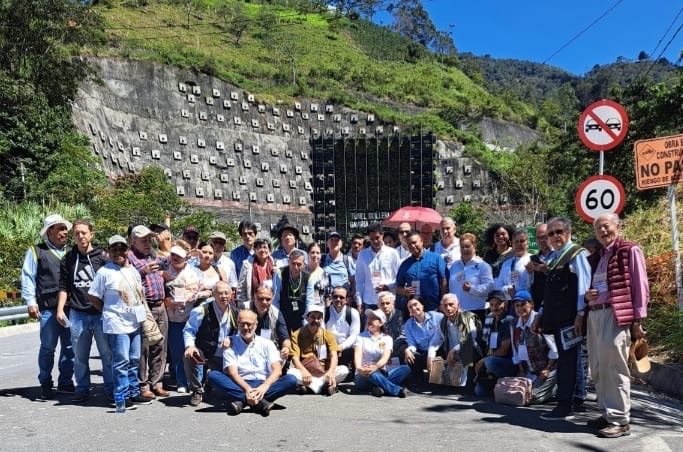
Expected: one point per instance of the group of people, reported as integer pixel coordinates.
(254, 324)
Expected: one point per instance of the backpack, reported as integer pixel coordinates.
(348, 317)
(514, 391)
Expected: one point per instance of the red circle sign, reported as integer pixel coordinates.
(603, 125)
(599, 195)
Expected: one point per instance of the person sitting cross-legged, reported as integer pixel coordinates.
(252, 370)
(371, 355)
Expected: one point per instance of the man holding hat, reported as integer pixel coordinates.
(217, 240)
(314, 355)
(39, 289)
(372, 352)
(288, 235)
(153, 359)
(617, 302)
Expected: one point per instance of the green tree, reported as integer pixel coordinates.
(235, 19)
(469, 218)
(412, 20)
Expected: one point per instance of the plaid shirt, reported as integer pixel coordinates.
(152, 282)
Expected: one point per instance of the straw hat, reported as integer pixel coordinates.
(638, 356)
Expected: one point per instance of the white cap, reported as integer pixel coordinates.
(52, 220)
(179, 251)
(140, 231)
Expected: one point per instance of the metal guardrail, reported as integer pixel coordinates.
(13, 313)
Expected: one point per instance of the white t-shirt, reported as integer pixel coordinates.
(120, 288)
(373, 348)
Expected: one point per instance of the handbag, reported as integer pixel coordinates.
(313, 366)
(514, 391)
(443, 373)
(151, 333)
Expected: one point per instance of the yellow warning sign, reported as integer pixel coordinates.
(659, 162)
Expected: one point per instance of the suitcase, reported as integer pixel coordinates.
(514, 391)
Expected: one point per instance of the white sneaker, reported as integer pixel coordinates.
(181, 390)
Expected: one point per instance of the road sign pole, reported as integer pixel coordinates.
(671, 195)
(601, 169)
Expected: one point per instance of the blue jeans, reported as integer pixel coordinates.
(176, 350)
(83, 327)
(230, 390)
(125, 349)
(498, 366)
(52, 331)
(390, 381)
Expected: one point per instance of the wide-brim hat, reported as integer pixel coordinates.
(52, 220)
(289, 227)
(638, 355)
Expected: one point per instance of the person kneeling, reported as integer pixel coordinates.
(371, 354)
(254, 371)
(314, 355)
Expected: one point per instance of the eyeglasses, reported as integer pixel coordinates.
(246, 324)
(555, 232)
(403, 232)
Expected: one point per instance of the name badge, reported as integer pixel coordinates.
(522, 353)
(140, 312)
(376, 278)
(416, 286)
(460, 277)
(295, 305)
(493, 340)
(265, 333)
(600, 282)
(514, 278)
(322, 351)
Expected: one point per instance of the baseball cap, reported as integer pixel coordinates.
(499, 294)
(158, 227)
(315, 308)
(377, 314)
(334, 234)
(521, 295)
(218, 235)
(114, 239)
(179, 251)
(141, 231)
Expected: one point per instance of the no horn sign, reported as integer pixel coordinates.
(603, 125)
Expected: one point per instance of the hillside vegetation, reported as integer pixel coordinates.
(279, 52)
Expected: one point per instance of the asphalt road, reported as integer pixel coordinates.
(344, 422)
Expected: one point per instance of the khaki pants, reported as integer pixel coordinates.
(153, 358)
(608, 346)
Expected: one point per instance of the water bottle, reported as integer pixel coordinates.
(120, 404)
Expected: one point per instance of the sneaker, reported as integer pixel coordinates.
(181, 390)
(46, 392)
(377, 391)
(597, 423)
(80, 397)
(614, 431)
(196, 398)
(130, 405)
(402, 393)
(265, 407)
(67, 388)
(558, 414)
(141, 399)
(235, 408)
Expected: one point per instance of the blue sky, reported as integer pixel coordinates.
(535, 29)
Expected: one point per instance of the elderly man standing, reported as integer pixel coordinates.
(617, 302)
(295, 293)
(403, 230)
(153, 359)
(252, 370)
(422, 275)
(206, 335)
(376, 268)
(217, 240)
(39, 288)
(315, 355)
(567, 281)
(449, 245)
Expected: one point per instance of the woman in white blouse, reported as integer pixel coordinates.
(372, 352)
(513, 275)
(471, 279)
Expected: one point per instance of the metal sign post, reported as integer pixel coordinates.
(671, 195)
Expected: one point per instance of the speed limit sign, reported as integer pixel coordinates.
(599, 195)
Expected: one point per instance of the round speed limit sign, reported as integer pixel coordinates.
(598, 195)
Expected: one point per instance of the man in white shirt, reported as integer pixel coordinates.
(449, 245)
(252, 370)
(403, 230)
(376, 268)
(344, 322)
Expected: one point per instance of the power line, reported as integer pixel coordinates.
(667, 31)
(654, 61)
(576, 36)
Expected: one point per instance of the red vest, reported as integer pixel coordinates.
(619, 280)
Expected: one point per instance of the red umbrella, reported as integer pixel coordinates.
(415, 215)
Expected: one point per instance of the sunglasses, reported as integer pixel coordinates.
(555, 232)
(403, 232)
(339, 297)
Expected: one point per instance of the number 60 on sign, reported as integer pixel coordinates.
(599, 195)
